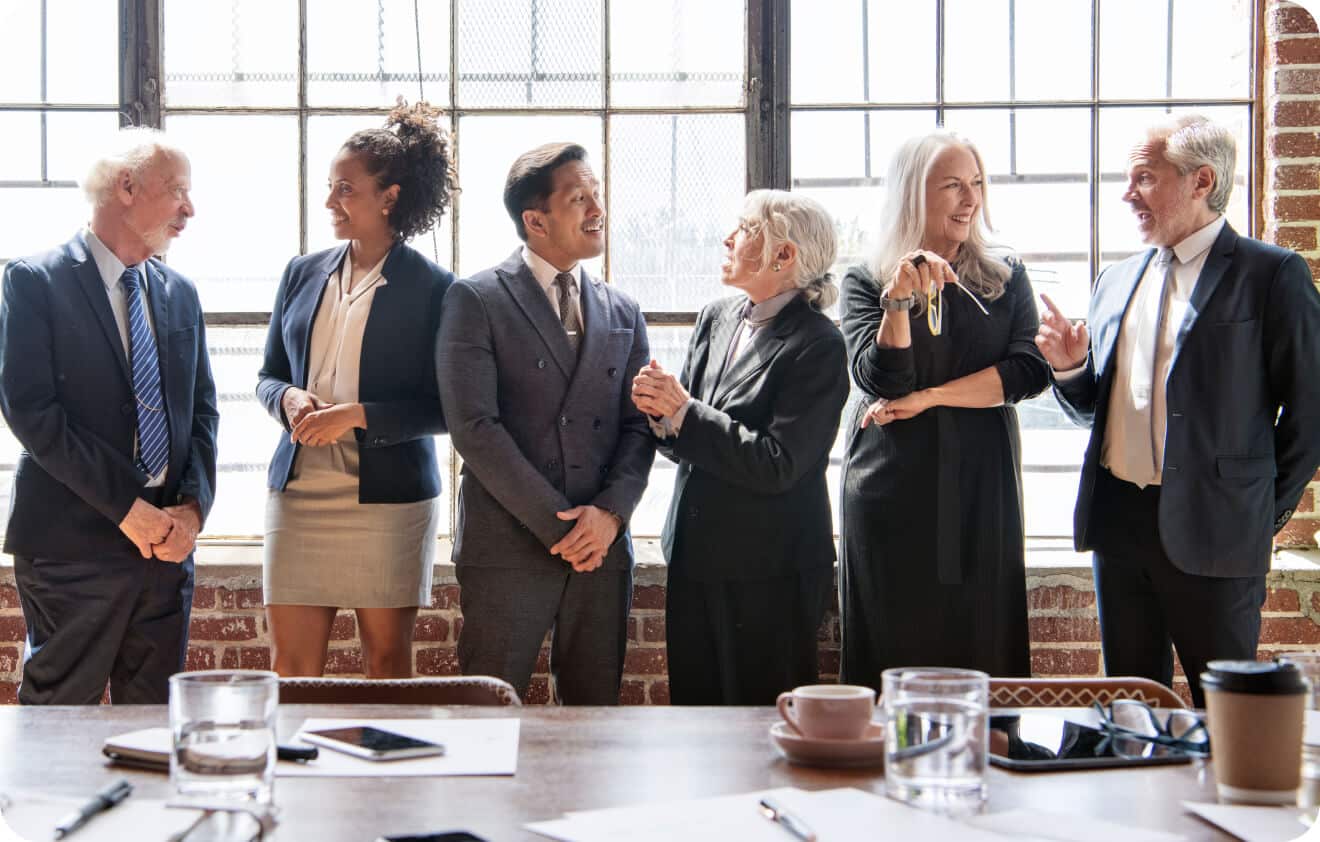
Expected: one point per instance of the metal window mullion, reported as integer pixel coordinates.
(607, 175)
(455, 461)
(768, 136)
(1094, 174)
(303, 178)
(45, 137)
(939, 62)
(140, 64)
(1012, 85)
(866, 87)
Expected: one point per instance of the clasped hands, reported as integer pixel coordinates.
(317, 423)
(169, 534)
(657, 392)
(585, 545)
(884, 410)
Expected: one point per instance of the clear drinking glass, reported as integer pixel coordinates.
(1308, 664)
(936, 737)
(224, 735)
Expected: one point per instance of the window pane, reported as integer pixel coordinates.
(73, 139)
(1208, 54)
(231, 52)
(669, 345)
(20, 60)
(367, 53)
(245, 191)
(22, 133)
(487, 147)
(530, 53)
(676, 185)
(1120, 129)
(976, 50)
(39, 218)
(325, 136)
(82, 60)
(1052, 52)
(677, 52)
(863, 51)
(1052, 450)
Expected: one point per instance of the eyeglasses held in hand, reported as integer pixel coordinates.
(1182, 729)
(935, 306)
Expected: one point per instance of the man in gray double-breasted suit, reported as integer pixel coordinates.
(535, 362)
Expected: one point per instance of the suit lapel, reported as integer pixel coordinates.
(530, 298)
(317, 287)
(765, 344)
(1216, 265)
(1119, 298)
(160, 310)
(724, 326)
(595, 322)
(89, 278)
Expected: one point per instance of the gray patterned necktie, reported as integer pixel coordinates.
(565, 284)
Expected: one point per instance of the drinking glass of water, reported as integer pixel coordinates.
(224, 735)
(936, 737)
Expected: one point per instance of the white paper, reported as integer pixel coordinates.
(836, 815)
(472, 747)
(1311, 734)
(33, 817)
(1255, 824)
(1023, 823)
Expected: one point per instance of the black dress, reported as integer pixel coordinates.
(932, 569)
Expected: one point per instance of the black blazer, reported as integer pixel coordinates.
(397, 385)
(66, 391)
(1241, 440)
(750, 500)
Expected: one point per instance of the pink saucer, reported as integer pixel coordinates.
(805, 751)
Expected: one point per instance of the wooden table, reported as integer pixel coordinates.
(569, 759)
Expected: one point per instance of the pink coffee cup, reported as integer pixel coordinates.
(828, 711)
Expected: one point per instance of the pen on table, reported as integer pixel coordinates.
(790, 822)
(298, 754)
(103, 800)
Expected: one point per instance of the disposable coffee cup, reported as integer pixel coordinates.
(1256, 711)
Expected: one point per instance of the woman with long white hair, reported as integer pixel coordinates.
(940, 328)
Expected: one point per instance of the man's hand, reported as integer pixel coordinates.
(585, 545)
(658, 393)
(145, 525)
(182, 539)
(299, 402)
(327, 426)
(1064, 344)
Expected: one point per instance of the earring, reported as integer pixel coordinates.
(776, 267)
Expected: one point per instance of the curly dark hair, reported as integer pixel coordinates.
(413, 152)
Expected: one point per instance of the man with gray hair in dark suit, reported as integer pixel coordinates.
(535, 362)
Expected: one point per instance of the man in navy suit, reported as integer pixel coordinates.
(105, 382)
(1193, 371)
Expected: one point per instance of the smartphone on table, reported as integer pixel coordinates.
(444, 836)
(372, 743)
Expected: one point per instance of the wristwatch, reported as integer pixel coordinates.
(887, 303)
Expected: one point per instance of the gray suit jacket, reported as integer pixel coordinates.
(538, 434)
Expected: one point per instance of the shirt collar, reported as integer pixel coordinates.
(544, 271)
(1199, 241)
(765, 312)
(110, 267)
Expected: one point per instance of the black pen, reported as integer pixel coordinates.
(788, 821)
(103, 800)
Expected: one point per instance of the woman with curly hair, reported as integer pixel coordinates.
(349, 372)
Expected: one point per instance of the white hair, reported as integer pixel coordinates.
(130, 149)
(1192, 142)
(784, 217)
(979, 266)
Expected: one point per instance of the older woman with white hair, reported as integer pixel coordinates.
(749, 537)
(940, 330)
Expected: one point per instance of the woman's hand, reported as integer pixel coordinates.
(884, 411)
(657, 392)
(297, 403)
(328, 425)
(915, 274)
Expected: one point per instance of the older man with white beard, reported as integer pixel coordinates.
(105, 381)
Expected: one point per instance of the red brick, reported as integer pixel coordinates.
(648, 596)
(200, 658)
(1298, 532)
(1064, 629)
(431, 628)
(632, 693)
(1315, 602)
(538, 691)
(1296, 177)
(12, 629)
(653, 628)
(1298, 81)
(645, 662)
(1065, 661)
(9, 597)
(1290, 19)
(1307, 503)
(243, 598)
(632, 630)
(344, 661)
(659, 692)
(223, 628)
(827, 661)
(1296, 237)
(1290, 631)
(444, 596)
(1314, 267)
(1282, 599)
(1059, 597)
(1295, 113)
(437, 660)
(1296, 208)
(1297, 51)
(344, 627)
(8, 692)
(245, 658)
(11, 659)
(203, 596)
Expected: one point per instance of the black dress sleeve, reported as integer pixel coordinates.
(1023, 370)
(879, 372)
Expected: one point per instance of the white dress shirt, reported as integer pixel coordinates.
(112, 269)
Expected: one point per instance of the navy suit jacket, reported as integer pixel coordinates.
(1243, 427)
(396, 388)
(66, 391)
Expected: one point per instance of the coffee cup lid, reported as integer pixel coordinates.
(1273, 678)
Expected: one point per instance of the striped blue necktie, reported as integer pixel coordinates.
(153, 434)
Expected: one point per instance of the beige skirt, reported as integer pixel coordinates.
(323, 547)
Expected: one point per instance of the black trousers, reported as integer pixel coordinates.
(120, 619)
(506, 613)
(743, 642)
(1146, 603)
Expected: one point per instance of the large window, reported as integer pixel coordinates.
(683, 104)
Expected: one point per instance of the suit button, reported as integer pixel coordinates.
(540, 363)
(563, 420)
(692, 513)
(613, 371)
(379, 440)
(1175, 415)
(595, 425)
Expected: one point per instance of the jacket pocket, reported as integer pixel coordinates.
(1246, 467)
